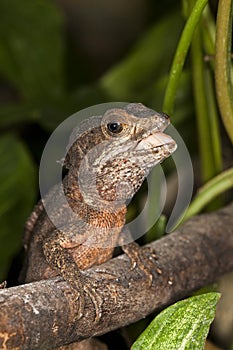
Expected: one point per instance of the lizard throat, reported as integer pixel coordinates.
(94, 212)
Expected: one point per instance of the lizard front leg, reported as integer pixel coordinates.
(62, 261)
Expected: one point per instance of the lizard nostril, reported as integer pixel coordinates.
(165, 116)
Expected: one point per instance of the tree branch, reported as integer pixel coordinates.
(40, 315)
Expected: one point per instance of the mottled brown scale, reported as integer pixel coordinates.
(108, 159)
(125, 171)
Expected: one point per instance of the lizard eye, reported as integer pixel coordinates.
(115, 127)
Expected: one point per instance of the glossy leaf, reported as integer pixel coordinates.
(182, 326)
(31, 48)
(148, 61)
(17, 195)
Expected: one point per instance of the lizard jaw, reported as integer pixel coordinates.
(156, 140)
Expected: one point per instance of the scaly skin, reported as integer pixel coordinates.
(108, 159)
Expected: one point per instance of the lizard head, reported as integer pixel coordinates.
(112, 154)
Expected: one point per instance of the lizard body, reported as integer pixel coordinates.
(108, 159)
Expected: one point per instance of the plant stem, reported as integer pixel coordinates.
(209, 191)
(180, 55)
(213, 122)
(206, 112)
(204, 139)
(223, 64)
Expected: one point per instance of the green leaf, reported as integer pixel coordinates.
(182, 326)
(50, 115)
(17, 195)
(148, 61)
(11, 115)
(31, 48)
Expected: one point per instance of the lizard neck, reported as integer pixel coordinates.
(93, 210)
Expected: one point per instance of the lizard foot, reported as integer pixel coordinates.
(80, 290)
(76, 301)
(140, 259)
(96, 300)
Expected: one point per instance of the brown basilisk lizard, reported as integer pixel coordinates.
(106, 163)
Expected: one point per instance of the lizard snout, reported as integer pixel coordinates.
(155, 140)
(165, 116)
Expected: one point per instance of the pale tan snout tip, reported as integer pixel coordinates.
(155, 140)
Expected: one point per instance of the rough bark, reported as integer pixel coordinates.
(40, 315)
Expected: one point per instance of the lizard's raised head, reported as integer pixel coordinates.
(112, 154)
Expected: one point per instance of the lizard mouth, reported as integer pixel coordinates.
(156, 140)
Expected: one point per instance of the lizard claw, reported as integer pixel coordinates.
(140, 259)
(76, 304)
(78, 299)
(96, 300)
